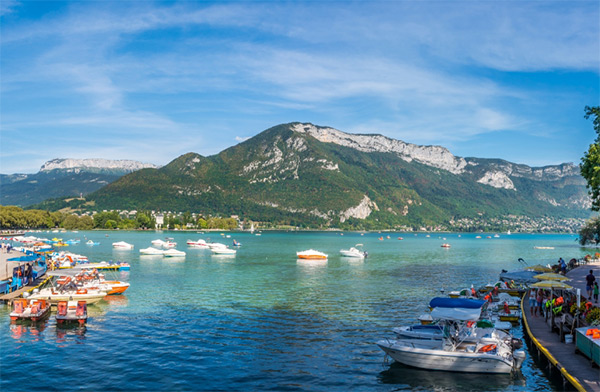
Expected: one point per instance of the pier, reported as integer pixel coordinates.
(575, 370)
(6, 269)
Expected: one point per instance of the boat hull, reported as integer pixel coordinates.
(55, 298)
(437, 359)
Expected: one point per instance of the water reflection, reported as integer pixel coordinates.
(70, 331)
(414, 378)
(309, 264)
(21, 330)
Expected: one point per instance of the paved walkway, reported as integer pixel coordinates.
(576, 365)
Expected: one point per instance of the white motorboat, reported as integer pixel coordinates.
(88, 295)
(151, 251)
(122, 245)
(197, 244)
(461, 348)
(158, 242)
(311, 254)
(169, 244)
(64, 288)
(223, 251)
(451, 355)
(173, 253)
(353, 252)
(216, 245)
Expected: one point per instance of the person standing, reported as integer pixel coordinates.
(589, 283)
(538, 299)
(596, 292)
(532, 302)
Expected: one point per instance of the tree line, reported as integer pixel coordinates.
(12, 217)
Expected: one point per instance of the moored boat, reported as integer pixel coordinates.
(71, 311)
(311, 254)
(173, 253)
(32, 310)
(197, 244)
(454, 356)
(122, 245)
(353, 252)
(223, 251)
(151, 251)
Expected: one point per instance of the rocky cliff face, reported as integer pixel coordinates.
(496, 173)
(75, 165)
(435, 156)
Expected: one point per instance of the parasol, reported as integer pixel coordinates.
(539, 268)
(551, 276)
(551, 284)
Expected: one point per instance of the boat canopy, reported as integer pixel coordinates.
(24, 258)
(467, 303)
(520, 276)
(456, 314)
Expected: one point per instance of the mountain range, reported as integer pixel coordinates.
(302, 174)
(64, 177)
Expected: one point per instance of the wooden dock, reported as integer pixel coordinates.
(561, 357)
(8, 298)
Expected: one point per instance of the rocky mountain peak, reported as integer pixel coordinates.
(123, 165)
(435, 156)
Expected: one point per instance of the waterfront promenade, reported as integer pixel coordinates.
(575, 368)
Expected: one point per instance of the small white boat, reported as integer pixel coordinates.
(216, 245)
(445, 245)
(151, 251)
(353, 252)
(169, 244)
(122, 245)
(158, 242)
(173, 253)
(92, 243)
(223, 251)
(450, 355)
(197, 244)
(88, 295)
(311, 254)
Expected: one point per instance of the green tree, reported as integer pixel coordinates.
(71, 222)
(590, 233)
(590, 163)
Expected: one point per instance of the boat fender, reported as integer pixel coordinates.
(487, 348)
(506, 308)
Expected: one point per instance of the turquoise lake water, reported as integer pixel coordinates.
(264, 320)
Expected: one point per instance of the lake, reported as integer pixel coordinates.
(263, 320)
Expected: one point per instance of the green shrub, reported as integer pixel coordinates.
(593, 316)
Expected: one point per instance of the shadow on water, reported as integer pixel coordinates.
(408, 378)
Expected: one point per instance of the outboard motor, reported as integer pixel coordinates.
(518, 358)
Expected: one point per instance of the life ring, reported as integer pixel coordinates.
(487, 348)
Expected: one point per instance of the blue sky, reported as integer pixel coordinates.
(151, 81)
